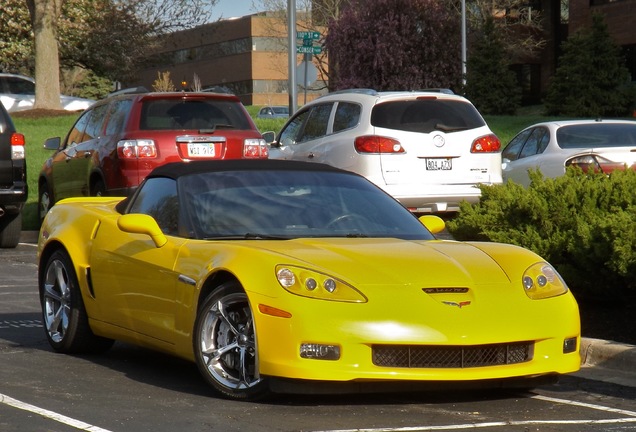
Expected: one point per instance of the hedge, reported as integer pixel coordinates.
(583, 224)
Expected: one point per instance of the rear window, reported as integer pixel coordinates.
(426, 115)
(597, 135)
(166, 114)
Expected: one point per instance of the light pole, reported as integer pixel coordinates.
(291, 13)
(464, 42)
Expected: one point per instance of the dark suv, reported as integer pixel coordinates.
(116, 142)
(13, 185)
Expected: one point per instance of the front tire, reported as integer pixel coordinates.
(65, 319)
(45, 201)
(225, 344)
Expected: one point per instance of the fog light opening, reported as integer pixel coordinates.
(569, 345)
(319, 351)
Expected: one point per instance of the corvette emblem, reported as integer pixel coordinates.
(458, 304)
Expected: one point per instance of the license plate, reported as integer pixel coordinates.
(201, 149)
(439, 164)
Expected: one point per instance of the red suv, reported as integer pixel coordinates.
(116, 142)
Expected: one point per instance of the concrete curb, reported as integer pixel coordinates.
(608, 354)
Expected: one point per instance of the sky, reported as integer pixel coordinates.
(232, 8)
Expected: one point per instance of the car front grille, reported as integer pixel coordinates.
(418, 356)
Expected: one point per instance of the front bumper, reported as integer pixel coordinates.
(358, 329)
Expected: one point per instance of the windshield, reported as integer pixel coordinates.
(266, 204)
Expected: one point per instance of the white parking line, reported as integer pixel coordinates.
(630, 419)
(50, 414)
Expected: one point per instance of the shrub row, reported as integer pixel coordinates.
(583, 224)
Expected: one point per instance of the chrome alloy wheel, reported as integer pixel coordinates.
(56, 301)
(227, 343)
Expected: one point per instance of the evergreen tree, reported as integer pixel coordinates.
(490, 84)
(591, 79)
(394, 45)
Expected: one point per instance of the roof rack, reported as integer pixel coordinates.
(130, 90)
(370, 92)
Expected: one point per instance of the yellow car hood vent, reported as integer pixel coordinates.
(420, 263)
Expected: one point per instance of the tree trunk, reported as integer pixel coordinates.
(44, 16)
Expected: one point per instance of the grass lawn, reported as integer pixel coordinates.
(38, 128)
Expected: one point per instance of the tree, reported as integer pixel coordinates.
(591, 78)
(44, 16)
(394, 44)
(109, 36)
(490, 84)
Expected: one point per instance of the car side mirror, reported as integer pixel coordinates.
(269, 137)
(434, 224)
(52, 143)
(137, 223)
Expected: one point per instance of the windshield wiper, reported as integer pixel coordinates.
(246, 236)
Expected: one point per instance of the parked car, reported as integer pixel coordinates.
(276, 275)
(17, 93)
(119, 140)
(270, 112)
(429, 150)
(551, 147)
(13, 181)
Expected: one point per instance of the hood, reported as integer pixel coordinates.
(373, 261)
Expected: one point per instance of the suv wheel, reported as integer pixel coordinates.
(44, 201)
(10, 227)
(98, 189)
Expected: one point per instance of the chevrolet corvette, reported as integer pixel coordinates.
(277, 275)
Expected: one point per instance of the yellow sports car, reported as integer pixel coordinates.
(289, 276)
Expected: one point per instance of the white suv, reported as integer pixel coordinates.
(428, 149)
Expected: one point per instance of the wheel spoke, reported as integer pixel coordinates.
(221, 312)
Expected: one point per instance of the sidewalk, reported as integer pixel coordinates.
(601, 360)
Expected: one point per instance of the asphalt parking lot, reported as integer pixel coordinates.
(130, 388)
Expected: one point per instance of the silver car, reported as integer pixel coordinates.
(550, 147)
(428, 149)
(17, 93)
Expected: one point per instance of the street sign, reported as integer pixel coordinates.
(311, 35)
(315, 50)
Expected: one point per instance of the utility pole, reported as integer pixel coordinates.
(291, 13)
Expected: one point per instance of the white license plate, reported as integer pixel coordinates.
(201, 149)
(439, 164)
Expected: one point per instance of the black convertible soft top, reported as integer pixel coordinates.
(175, 170)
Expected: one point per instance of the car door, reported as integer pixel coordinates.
(133, 280)
(64, 181)
(531, 145)
(303, 137)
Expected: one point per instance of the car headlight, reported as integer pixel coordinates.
(541, 281)
(313, 284)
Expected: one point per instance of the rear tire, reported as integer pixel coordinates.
(10, 228)
(65, 319)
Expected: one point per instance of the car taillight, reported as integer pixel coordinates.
(17, 146)
(255, 148)
(377, 144)
(595, 163)
(486, 144)
(136, 149)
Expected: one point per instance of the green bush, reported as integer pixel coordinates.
(582, 224)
